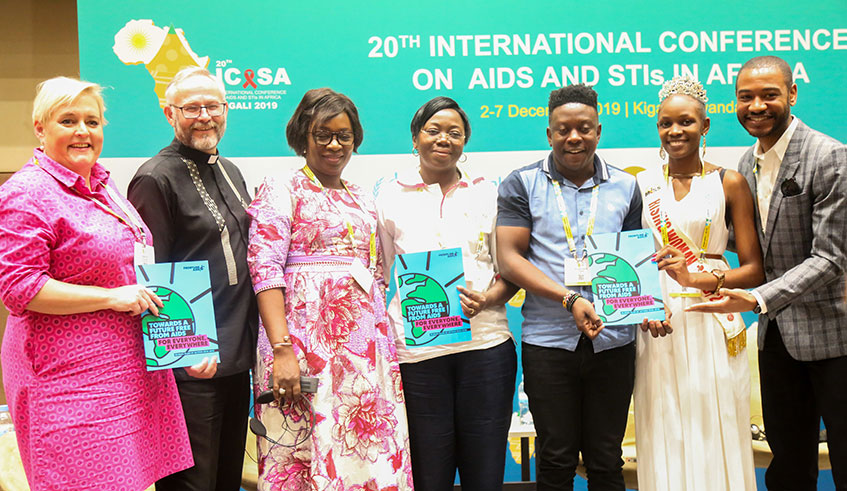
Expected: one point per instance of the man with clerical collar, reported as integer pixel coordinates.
(194, 202)
(578, 374)
(799, 178)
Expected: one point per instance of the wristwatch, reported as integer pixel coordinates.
(757, 309)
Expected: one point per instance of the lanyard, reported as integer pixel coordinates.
(125, 210)
(566, 223)
(372, 244)
(707, 227)
(133, 224)
(214, 160)
(480, 243)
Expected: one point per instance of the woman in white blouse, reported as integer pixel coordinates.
(458, 396)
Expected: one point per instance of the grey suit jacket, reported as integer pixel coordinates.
(804, 247)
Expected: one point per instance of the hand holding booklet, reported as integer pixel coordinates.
(625, 280)
(184, 332)
(429, 300)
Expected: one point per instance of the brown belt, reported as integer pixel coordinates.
(713, 256)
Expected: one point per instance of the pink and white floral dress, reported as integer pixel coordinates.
(299, 241)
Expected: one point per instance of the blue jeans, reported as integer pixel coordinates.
(459, 408)
(579, 402)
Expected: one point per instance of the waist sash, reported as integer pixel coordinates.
(295, 264)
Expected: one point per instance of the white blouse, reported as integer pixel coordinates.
(416, 217)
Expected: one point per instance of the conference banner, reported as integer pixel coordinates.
(498, 59)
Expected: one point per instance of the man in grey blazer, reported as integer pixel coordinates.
(799, 179)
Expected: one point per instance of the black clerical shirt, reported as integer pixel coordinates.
(184, 229)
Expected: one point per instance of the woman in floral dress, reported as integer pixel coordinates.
(318, 277)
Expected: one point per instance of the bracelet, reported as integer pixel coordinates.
(286, 341)
(570, 299)
(721, 278)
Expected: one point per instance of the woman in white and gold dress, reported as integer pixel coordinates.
(692, 384)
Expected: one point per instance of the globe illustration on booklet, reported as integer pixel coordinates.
(175, 318)
(617, 279)
(426, 291)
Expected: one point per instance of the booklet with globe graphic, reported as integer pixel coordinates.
(625, 280)
(184, 332)
(429, 300)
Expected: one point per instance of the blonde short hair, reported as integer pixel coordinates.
(53, 93)
(185, 74)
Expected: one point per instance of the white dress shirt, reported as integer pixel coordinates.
(767, 168)
(768, 164)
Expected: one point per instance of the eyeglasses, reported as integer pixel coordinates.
(344, 138)
(193, 111)
(454, 135)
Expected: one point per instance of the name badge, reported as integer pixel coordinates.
(143, 254)
(362, 275)
(576, 272)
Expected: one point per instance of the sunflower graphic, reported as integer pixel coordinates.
(139, 41)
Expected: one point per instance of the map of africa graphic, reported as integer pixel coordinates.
(164, 51)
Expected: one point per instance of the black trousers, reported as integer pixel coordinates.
(579, 402)
(216, 413)
(795, 395)
(459, 408)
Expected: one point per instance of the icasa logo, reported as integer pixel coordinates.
(164, 51)
(248, 78)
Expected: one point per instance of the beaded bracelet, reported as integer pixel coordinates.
(570, 299)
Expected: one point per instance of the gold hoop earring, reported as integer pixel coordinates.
(662, 154)
(463, 158)
(415, 152)
(703, 153)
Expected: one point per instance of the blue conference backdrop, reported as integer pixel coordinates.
(499, 59)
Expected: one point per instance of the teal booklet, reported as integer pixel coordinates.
(429, 300)
(184, 332)
(625, 280)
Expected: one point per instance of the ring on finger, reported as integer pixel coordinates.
(471, 311)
